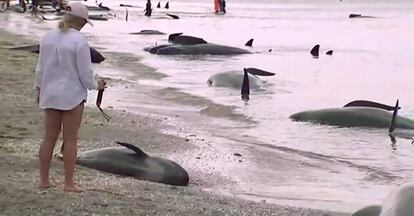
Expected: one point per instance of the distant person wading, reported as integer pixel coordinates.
(220, 6)
(63, 76)
(148, 9)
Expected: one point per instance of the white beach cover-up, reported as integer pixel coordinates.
(63, 71)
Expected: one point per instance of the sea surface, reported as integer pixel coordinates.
(284, 162)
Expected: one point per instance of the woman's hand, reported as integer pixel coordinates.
(101, 84)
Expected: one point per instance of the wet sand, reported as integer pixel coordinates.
(21, 129)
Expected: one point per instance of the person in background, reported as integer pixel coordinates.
(34, 7)
(4, 4)
(217, 6)
(22, 3)
(148, 9)
(63, 76)
(223, 6)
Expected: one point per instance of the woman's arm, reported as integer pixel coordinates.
(83, 66)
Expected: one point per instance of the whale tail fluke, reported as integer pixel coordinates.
(245, 90)
(365, 103)
(258, 72)
(394, 118)
(315, 51)
(138, 151)
(249, 43)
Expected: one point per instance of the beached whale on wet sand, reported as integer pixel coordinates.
(354, 116)
(96, 56)
(399, 202)
(129, 160)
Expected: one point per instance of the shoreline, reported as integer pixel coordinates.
(20, 134)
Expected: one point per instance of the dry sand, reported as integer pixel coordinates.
(21, 128)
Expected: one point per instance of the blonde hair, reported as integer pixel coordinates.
(68, 21)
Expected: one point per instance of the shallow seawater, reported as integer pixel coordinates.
(285, 162)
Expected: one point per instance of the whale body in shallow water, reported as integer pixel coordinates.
(190, 45)
(400, 202)
(148, 32)
(197, 49)
(354, 117)
(129, 160)
(234, 79)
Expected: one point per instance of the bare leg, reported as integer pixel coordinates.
(71, 123)
(53, 123)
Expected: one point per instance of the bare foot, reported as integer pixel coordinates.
(45, 185)
(72, 188)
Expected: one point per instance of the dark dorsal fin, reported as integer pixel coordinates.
(394, 118)
(167, 5)
(171, 37)
(315, 51)
(173, 16)
(138, 151)
(258, 72)
(330, 52)
(159, 5)
(245, 90)
(249, 43)
(365, 103)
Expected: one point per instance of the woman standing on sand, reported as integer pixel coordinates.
(63, 76)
